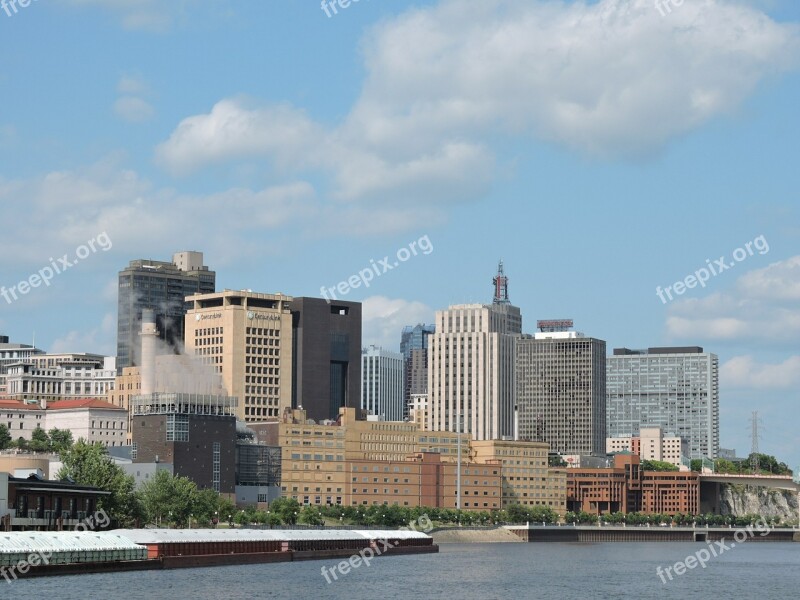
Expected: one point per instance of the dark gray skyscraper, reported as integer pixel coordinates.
(326, 358)
(162, 287)
(561, 389)
(414, 348)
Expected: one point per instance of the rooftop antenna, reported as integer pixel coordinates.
(500, 283)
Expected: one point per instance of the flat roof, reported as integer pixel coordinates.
(171, 536)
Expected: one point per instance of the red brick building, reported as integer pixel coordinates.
(626, 488)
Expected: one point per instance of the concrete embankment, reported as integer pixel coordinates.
(471, 535)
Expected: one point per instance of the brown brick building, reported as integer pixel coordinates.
(355, 462)
(626, 488)
(196, 434)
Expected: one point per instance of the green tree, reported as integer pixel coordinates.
(205, 506)
(60, 440)
(40, 441)
(555, 460)
(310, 516)
(90, 465)
(169, 498)
(696, 465)
(287, 509)
(658, 465)
(5, 437)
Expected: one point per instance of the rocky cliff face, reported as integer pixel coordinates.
(739, 500)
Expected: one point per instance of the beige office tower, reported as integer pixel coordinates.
(471, 369)
(247, 338)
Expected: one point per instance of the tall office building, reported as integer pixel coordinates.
(676, 389)
(471, 367)
(247, 338)
(161, 287)
(382, 383)
(561, 389)
(326, 367)
(414, 348)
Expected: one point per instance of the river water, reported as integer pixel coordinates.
(465, 572)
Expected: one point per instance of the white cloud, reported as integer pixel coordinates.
(746, 372)
(384, 318)
(107, 198)
(612, 79)
(133, 109)
(762, 305)
(779, 281)
(132, 84)
(146, 15)
(234, 130)
(99, 340)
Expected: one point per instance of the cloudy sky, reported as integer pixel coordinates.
(601, 149)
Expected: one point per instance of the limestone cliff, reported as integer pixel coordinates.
(740, 500)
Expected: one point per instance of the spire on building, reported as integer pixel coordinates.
(500, 286)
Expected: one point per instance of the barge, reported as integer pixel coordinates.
(31, 554)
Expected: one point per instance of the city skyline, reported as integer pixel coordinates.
(610, 193)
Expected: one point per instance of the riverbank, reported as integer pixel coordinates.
(473, 535)
(588, 533)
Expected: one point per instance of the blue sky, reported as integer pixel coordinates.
(600, 149)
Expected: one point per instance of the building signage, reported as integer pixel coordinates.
(208, 316)
(262, 317)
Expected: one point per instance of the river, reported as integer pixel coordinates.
(463, 572)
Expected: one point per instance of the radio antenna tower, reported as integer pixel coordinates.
(754, 463)
(500, 282)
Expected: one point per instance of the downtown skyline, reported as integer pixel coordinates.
(598, 182)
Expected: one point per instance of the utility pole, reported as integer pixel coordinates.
(458, 471)
(754, 464)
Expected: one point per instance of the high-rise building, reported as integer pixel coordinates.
(247, 338)
(561, 389)
(415, 338)
(326, 367)
(676, 389)
(471, 367)
(162, 287)
(382, 383)
(414, 348)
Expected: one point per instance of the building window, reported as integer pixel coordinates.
(215, 476)
(177, 428)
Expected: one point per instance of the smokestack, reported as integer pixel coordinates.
(149, 336)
